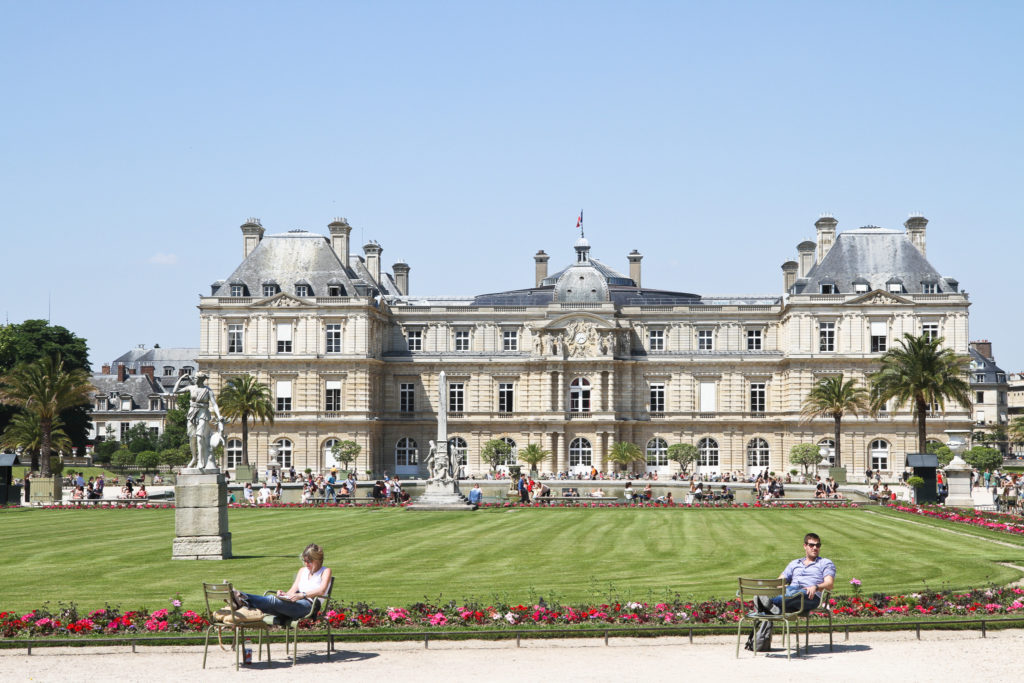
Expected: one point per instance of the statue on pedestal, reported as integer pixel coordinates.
(204, 434)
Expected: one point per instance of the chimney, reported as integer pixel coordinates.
(789, 270)
(826, 226)
(401, 271)
(252, 233)
(373, 251)
(340, 231)
(149, 371)
(984, 347)
(916, 226)
(805, 255)
(105, 370)
(122, 372)
(540, 266)
(634, 266)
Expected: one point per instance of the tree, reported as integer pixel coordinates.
(918, 372)
(32, 340)
(147, 460)
(834, 398)
(45, 387)
(345, 452)
(122, 458)
(243, 397)
(683, 453)
(140, 439)
(941, 451)
(984, 458)
(533, 455)
(24, 431)
(625, 453)
(496, 452)
(175, 428)
(805, 454)
(1016, 430)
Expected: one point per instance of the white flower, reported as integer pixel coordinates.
(510, 618)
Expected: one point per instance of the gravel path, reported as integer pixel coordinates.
(938, 656)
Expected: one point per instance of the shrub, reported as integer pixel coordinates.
(122, 458)
(147, 460)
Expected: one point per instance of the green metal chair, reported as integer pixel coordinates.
(825, 607)
(749, 589)
(220, 593)
(291, 626)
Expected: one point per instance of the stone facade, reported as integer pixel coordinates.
(582, 359)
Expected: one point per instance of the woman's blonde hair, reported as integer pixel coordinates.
(313, 553)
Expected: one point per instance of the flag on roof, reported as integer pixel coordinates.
(579, 221)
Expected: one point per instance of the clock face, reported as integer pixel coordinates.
(581, 338)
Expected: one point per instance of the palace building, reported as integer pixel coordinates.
(585, 357)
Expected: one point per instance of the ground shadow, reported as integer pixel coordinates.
(315, 658)
(818, 649)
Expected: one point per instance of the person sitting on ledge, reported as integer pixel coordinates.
(310, 582)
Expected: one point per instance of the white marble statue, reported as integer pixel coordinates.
(204, 433)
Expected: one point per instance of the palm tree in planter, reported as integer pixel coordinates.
(45, 387)
(835, 397)
(23, 431)
(533, 455)
(242, 398)
(625, 453)
(918, 372)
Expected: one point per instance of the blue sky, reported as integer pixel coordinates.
(465, 136)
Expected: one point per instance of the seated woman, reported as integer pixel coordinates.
(310, 582)
(247, 492)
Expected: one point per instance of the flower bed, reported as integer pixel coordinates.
(597, 503)
(68, 621)
(1010, 524)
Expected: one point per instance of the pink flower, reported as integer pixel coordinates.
(176, 603)
(438, 619)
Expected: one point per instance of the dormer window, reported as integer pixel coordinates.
(929, 288)
(168, 371)
(270, 289)
(237, 290)
(187, 369)
(828, 288)
(335, 290)
(895, 288)
(126, 403)
(302, 290)
(860, 287)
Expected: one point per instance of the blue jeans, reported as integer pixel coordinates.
(792, 601)
(271, 604)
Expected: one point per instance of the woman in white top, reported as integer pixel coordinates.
(310, 582)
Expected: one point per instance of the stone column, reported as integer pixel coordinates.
(201, 518)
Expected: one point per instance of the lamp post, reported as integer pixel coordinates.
(958, 472)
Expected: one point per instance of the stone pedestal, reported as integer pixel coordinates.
(439, 496)
(958, 483)
(201, 517)
(245, 473)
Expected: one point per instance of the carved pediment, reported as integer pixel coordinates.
(281, 300)
(879, 298)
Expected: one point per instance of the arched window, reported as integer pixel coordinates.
(757, 454)
(513, 455)
(233, 453)
(407, 453)
(284, 452)
(707, 453)
(880, 455)
(580, 453)
(328, 455)
(579, 395)
(460, 449)
(657, 453)
(831, 443)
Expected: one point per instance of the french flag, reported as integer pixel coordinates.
(579, 221)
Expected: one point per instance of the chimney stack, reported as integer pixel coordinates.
(105, 370)
(340, 231)
(122, 372)
(984, 347)
(252, 233)
(540, 266)
(373, 251)
(401, 271)
(149, 371)
(805, 255)
(916, 226)
(826, 226)
(634, 266)
(789, 270)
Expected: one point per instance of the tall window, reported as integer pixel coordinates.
(831, 445)
(235, 338)
(513, 453)
(880, 455)
(757, 397)
(407, 398)
(332, 395)
(979, 396)
(753, 340)
(125, 426)
(510, 340)
(579, 396)
(657, 453)
(580, 453)
(930, 331)
(506, 397)
(462, 340)
(456, 397)
(757, 453)
(657, 339)
(707, 453)
(284, 337)
(333, 338)
(414, 338)
(233, 453)
(657, 397)
(460, 451)
(705, 340)
(708, 397)
(328, 455)
(284, 396)
(879, 337)
(407, 453)
(826, 336)
(284, 452)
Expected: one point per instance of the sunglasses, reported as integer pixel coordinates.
(813, 545)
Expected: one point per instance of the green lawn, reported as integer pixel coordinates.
(394, 556)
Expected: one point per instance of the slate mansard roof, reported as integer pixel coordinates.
(139, 387)
(877, 256)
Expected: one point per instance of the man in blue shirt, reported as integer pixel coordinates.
(808, 575)
(476, 495)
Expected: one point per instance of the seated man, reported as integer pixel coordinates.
(475, 494)
(808, 575)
